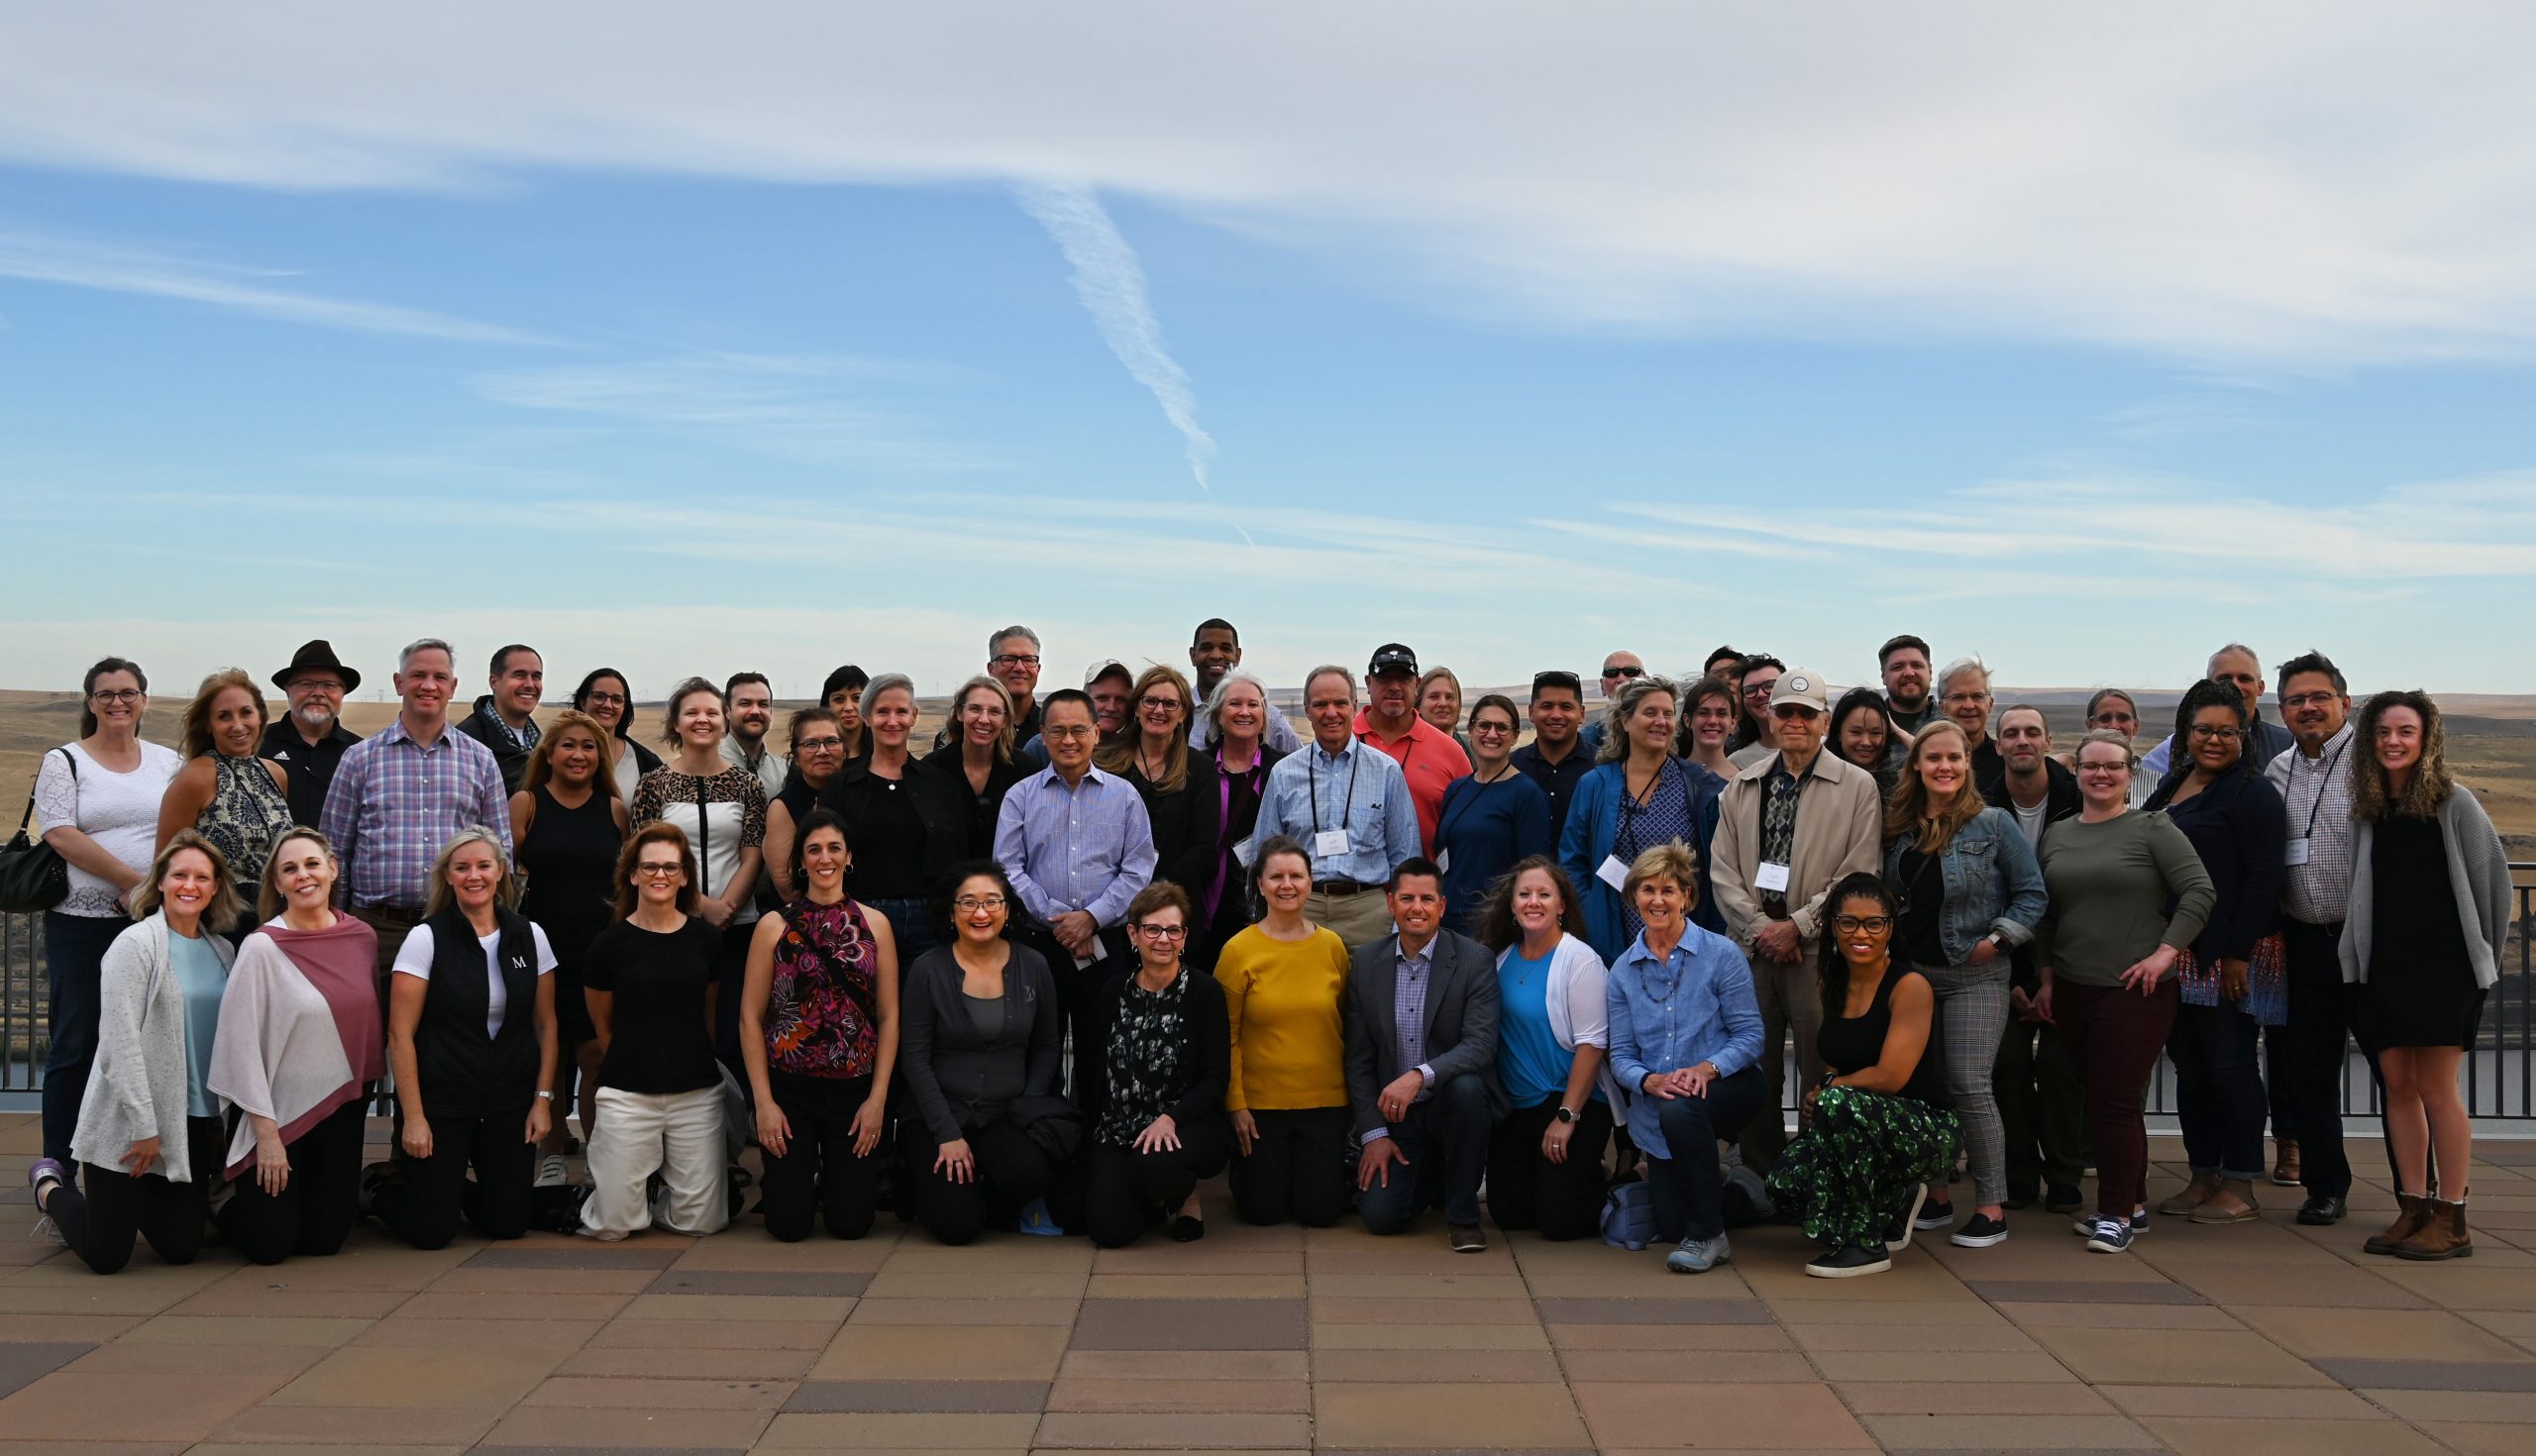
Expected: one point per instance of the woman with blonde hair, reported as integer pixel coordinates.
(149, 1130)
(1179, 787)
(298, 1050)
(237, 800)
(2430, 911)
(1970, 892)
(471, 1034)
(979, 755)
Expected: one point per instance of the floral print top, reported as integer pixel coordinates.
(823, 1017)
(1144, 1059)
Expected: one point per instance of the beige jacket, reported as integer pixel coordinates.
(1839, 828)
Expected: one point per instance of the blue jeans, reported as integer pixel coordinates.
(2219, 1095)
(1689, 1188)
(75, 952)
(912, 923)
(1446, 1141)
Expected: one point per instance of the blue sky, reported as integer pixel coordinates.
(851, 336)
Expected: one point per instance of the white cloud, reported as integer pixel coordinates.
(79, 263)
(2309, 186)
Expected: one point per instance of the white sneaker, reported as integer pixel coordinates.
(553, 1172)
(1699, 1256)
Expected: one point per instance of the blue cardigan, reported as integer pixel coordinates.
(1594, 825)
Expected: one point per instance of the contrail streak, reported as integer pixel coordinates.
(1112, 284)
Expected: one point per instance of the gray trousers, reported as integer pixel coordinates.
(1971, 1016)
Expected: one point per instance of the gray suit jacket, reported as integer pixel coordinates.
(1461, 1020)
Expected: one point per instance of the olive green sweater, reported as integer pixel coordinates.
(2110, 885)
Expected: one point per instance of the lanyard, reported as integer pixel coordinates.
(2324, 781)
(1461, 806)
(1627, 833)
(1311, 780)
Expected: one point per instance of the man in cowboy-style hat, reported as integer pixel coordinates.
(310, 739)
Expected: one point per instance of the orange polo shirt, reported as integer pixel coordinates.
(1430, 759)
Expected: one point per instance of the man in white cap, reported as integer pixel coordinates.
(1788, 828)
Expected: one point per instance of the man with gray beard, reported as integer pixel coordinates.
(309, 740)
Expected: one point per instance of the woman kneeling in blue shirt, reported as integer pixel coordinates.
(1545, 1165)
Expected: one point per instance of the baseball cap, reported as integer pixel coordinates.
(1392, 657)
(1800, 685)
(1104, 669)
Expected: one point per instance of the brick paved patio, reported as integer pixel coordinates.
(2267, 1340)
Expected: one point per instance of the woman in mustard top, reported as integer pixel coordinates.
(1288, 1097)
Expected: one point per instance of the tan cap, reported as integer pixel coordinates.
(1104, 669)
(1800, 685)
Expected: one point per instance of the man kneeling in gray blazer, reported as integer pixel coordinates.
(1421, 1064)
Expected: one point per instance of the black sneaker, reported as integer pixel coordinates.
(2021, 1195)
(2062, 1198)
(2111, 1236)
(1468, 1238)
(1982, 1232)
(1848, 1263)
(1935, 1213)
(373, 1178)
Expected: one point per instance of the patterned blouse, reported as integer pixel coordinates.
(1665, 817)
(724, 813)
(246, 816)
(823, 1017)
(1144, 1058)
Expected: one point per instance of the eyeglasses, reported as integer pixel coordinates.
(1624, 672)
(978, 902)
(819, 745)
(1067, 730)
(1163, 932)
(1863, 924)
(1759, 690)
(2101, 765)
(659, 872)
(1953, 699)
(116, 694)
(2311, 700)
(1014, 660)
(596, 700)
(2209, 734)
(1491, 730)
(1150, 703)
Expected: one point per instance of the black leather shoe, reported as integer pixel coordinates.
(2322, 1209)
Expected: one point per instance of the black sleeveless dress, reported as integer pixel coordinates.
(1850, 1044)
(569, 855)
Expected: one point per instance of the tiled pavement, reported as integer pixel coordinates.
(2263, 1340)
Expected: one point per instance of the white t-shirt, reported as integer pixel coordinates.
(414, 957)
(120, 811)
(2032, 820)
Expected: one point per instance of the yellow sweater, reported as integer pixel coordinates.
(1282, 998)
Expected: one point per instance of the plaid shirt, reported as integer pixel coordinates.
(2317, 792)
(394, 802)
(1409, 1021)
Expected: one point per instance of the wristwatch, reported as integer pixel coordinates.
(547, 1092)
(1566, 1115)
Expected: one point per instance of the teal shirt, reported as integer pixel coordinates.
(200, 978)
(1530, 1061)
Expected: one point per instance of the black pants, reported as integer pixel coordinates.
(2042, 1106)
(1011, 1171)
(1689, 1188)
(317, 1208)
(818, 1175)
(422, 1202)
(1563, 1201)
(101, 1223)
(1297, 1167)
(730, 976)
(74, 959)
(1078, 987)
(1445, 1139)
(2316, 1049)
(1128, 1192)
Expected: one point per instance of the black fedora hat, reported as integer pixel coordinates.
(317, 653)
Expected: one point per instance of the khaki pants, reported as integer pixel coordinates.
(1357, 919)
(1791, 1002)
(678, 1135)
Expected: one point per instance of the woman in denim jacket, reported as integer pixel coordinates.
(1971, 892)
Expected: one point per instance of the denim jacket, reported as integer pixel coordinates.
(1992, 884)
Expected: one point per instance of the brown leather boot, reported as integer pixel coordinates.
(2233, 1202)
(2442, 1234)
(2411, 1215)
(2192, 1195)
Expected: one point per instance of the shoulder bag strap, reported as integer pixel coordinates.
(703, 840)
(27, 815)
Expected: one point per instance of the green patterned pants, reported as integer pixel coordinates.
(1852, 1169)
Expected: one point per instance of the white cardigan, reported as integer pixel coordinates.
(1578, 1012)
(137, 1088)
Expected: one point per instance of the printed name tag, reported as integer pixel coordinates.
(1612, 871)
(1329, 842)
(1772, 878)
(2295, 852)
(1096, 951)
(1445, 861)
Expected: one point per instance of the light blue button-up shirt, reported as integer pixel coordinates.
(1357, 788)
(1085, 848)
(1694, 1006)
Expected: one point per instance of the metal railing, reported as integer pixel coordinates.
(2500, 1071)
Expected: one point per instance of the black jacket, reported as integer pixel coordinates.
(2060, 802)
(1186, 825)
(982, 810)
(310, 767)
(949, 1069)
(941, 805)
(485, 728)
(1206, 1051)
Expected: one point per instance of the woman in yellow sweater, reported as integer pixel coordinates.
(1283, 979)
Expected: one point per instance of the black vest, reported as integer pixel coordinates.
(464, 1073)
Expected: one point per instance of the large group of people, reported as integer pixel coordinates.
(1098, 946)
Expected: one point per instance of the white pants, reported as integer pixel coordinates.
(678, 1135)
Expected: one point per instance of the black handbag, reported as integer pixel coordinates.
(33, 874)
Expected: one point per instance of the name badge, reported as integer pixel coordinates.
(1329, 842)
(2296, 851)
(1612, 871)
(1445, 861)
(1245, 852)
(1772, 878)
(1095, 951)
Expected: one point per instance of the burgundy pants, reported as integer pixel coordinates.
(2114, 1034)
